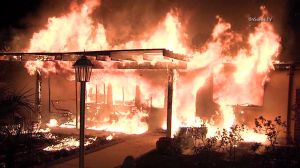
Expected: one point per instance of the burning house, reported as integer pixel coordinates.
(156, 81)
(205, 92)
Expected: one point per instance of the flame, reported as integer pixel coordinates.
(251, 136)
(237, 78)
(126, 123)
(46, 130)
(239, 65)
(109, 137)
(65, 34)
(52, 123)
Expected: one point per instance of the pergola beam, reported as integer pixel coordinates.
(136, 65)
(131, 54)
(109, 59)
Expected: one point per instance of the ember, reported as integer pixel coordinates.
(110, 137)
(52, 123)
(68, 144)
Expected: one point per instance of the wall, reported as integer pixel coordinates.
(276, 95)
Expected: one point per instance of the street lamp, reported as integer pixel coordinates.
(83, 71)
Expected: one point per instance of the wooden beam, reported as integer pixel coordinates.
(79, 53)
(170, 54)
(130, 54)
(136, 65)
(38, 96)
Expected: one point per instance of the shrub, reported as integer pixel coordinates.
(256, 146)
(15, 106)
(230, 139)
(206, 144)
(270, 128)
(168, 146)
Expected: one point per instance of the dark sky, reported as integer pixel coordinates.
(23, 17)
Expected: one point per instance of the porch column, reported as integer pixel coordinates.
(38, 90)
(289, 108)
(170, 101)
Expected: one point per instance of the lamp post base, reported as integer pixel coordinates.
(81, 131)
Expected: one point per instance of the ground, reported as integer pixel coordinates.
(114, 156)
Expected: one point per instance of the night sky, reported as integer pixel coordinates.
(23, 17)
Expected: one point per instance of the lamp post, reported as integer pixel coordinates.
(83, 71)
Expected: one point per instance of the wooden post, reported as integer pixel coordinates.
(138, 96)
(289, 108)
(38, 89)
(170, 102)
(297, 118)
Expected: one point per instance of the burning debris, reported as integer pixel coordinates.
(69, 144)
(52, 123)
(109, 137)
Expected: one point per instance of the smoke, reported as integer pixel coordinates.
(291, 35)
(20, 19)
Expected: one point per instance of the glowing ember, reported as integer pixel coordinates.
(110, 137)
(52, 123)
(68, 144)
(46, 130)
(70, 124)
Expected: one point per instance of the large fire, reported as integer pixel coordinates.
(236, 65)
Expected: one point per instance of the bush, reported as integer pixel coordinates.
(230, 139)
(15, 106)
(270, 128)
